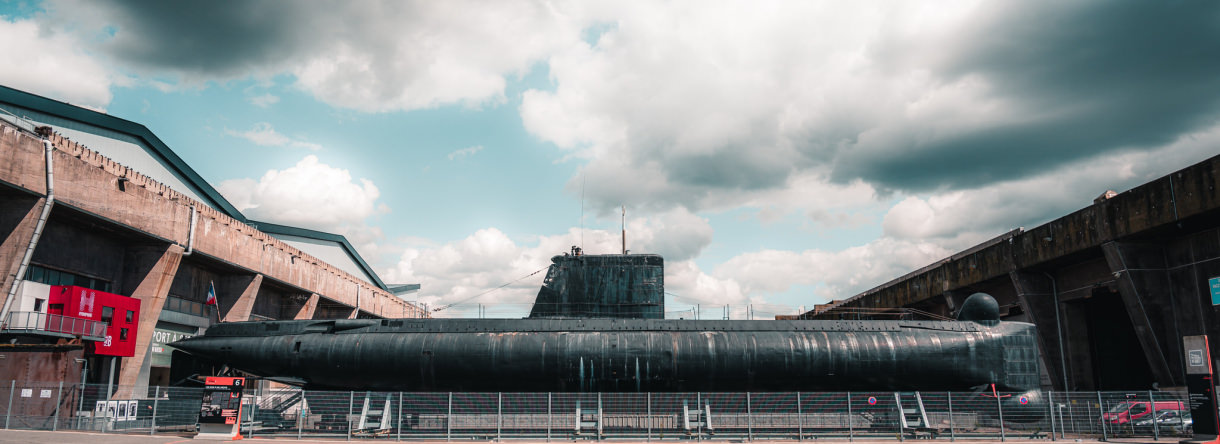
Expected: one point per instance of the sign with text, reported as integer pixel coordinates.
(220, 414)
(1201, 387)
(1214, 285)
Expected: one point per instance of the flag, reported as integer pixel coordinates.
(211, 294)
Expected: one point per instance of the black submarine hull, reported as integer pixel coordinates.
(628, 355)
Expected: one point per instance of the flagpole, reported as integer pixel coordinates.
(211, 299)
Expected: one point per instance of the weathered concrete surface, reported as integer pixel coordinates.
(100, 187)
(1150, 250)
(238, 309)
(149, 272)
(18, 217)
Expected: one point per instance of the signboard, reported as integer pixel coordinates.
(221, 400)
(161, 354)
(44, 393)
(1214, 285)
(27, 393)
(1201, 387)
(112, 409)
(133, 407)
(120, 412)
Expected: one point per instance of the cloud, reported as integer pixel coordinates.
(465, 152)
(468, 268)
(52, 64)
(309, 194)
(264, 101)
(956, 218)
(838, 274)
(263, 134)
(369, 56)
(907, 98)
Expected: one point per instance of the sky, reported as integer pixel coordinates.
(777, 154)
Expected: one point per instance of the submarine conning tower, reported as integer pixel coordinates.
(622, 286)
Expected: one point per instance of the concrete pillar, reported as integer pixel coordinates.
(1036, 294)
(1143, 283)
(308, 309)
(148, 273)
(235, 296)
(18, 216)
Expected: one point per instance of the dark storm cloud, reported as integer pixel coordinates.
(209, 39)
(1087, 78)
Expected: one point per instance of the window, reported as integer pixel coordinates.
(40, 274)
(56, 307)
(107, 314)
(122, 334)
(38, 304)
(130, 316)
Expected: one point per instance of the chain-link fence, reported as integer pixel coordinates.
(291, 412)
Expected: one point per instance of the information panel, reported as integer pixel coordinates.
(221, 400)
(1201, 386)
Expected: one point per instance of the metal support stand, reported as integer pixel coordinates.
(1156, 431)
(952, 437)
(351, 401)
(749, 419)
(58, 398)
(398, 431)
(648, 407)
(1050, 410)
(301, 416)
(1000, 408)
(152, 428)
(901, 416)
(499, 414)
(1101, 418)
(800, 417)
(548, 416)
(9, 412)
(851, 430)
(449, 420)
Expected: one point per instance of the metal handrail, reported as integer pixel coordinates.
(33, 321)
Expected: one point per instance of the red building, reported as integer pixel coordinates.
(120, 313)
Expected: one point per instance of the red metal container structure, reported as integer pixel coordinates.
(120, 313)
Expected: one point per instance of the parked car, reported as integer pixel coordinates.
(1168, 421)
(1127, 412)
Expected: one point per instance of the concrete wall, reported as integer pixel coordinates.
(1112, 287)
(113, 223)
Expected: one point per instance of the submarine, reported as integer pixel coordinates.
(597, 326)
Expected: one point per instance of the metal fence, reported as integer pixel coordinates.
(291, 412)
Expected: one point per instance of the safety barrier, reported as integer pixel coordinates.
(288, 412)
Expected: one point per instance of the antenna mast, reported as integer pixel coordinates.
(624, 222)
